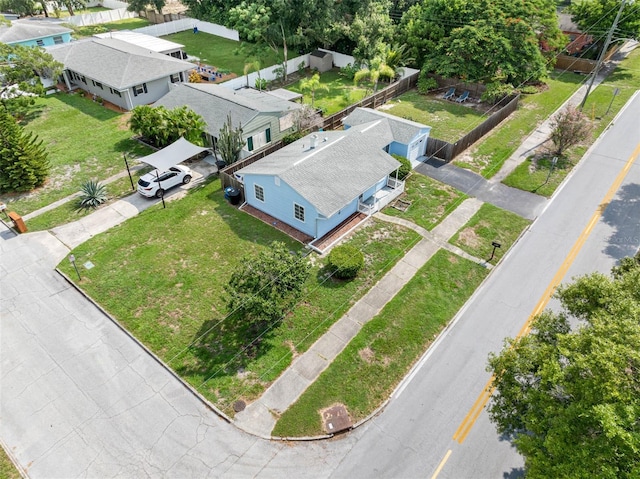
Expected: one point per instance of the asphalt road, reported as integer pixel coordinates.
(80, 399)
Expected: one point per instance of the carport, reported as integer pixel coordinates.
(177, 152)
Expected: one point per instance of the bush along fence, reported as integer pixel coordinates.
(333, 122)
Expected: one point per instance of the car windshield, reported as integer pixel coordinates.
(143, 183)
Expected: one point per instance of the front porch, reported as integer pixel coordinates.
(382, 197)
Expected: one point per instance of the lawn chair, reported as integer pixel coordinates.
(450, 93)
(462, 98)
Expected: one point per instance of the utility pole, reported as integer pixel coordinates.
(603, 53)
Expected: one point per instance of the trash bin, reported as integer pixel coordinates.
(232, 194)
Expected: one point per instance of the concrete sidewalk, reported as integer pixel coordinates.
(260, 417)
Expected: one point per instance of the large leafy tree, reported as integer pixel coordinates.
(264, 288)
(596, 17)
(371, 30)
(142, 5)
(20, 71)
(23, 159)
(482, 40)
(570, 396)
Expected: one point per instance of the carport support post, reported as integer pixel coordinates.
(162, 191)
(128, 171)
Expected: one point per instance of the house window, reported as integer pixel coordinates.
(259, 192)
(175, 78)
(98, 84)
(115, 92)
(84, 80)
(259, 140)
(40, 43)
(139, 89)
(57, 40)
(298, 212)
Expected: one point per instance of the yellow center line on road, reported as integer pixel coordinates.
(441, 465)
(469, 420)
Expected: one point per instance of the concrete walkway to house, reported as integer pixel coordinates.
(259, 417)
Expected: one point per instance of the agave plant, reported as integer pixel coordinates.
(93, 194)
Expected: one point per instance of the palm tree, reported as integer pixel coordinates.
(396, 57)
(312, 85)
(249, 67)
(377, 68)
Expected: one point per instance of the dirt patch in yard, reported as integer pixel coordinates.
(469, 237)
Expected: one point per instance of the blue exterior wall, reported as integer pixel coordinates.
(396, 148)
(47, 41)
(279, 201)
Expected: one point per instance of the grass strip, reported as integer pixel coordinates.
(162, 275)
(7, 468)
(377, 359)
(489, 224)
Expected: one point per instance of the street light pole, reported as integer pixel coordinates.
(602, 54)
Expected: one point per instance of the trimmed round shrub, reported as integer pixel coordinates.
(346, 261)
(405, 167)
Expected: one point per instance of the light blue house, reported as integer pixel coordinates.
(320, 181)
(34, 33)
(409, 138)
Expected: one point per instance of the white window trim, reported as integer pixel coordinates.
(255, 192)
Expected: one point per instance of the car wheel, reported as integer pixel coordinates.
(186, 179)
(159, 193)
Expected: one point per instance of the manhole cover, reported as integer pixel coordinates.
(336, 419)
(239, 406)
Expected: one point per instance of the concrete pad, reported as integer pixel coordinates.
(285, 391)
(329, 346)
(361, 312)
(309, 366)
(256, 419)
(345, 329)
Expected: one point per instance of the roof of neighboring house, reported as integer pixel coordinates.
(403, 131)
(116, 63)
(566, 24)
(142, 40)
(213, 103)
(342, 166)
(22, 31)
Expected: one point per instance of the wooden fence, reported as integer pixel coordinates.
(333, 122)
(446, 151)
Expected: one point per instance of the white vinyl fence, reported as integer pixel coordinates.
(176, 26)
(100, 17)
(269, 73)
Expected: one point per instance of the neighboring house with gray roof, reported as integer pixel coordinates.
(122, 73)
(321, 180)
(264, 118)
(409, 138)
(34, 33)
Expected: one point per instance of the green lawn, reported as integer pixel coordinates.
(489, 224)
(488, 156)
(530, 176)
(84, 11)
(375, 361)
(220, 52)
(431, 201)
(162, 275)
(90, 30)
(84, 140)
(538, 176)
(7, 468)
(341, 93)
(449, 121)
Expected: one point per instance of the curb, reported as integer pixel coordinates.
(190, 388)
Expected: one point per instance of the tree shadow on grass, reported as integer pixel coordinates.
(621, 215)
(222, 347)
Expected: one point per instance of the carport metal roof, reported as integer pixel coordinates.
(175, 153)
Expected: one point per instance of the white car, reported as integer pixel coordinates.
(155, 183)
